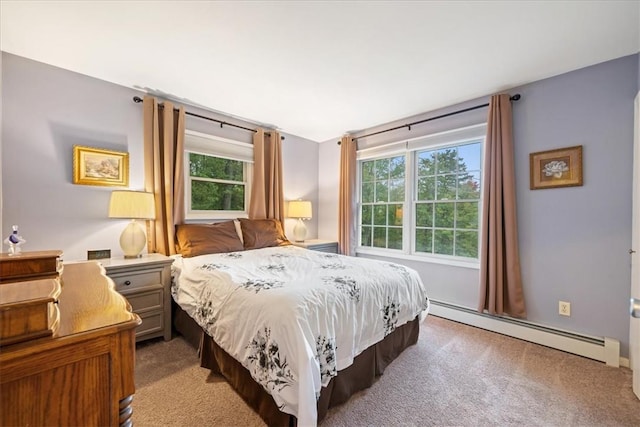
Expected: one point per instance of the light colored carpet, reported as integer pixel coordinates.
(456, 375)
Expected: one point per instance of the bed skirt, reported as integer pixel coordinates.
(360, 375)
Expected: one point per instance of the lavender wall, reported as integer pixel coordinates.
(46, 110)
(328, 185)
(300, 169)
(574, 242)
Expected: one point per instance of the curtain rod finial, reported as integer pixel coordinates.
(515, 97)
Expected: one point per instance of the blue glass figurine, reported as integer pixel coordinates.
(14, 241)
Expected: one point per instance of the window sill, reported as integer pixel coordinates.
(390, 253)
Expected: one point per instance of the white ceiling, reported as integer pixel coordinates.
(319, 69)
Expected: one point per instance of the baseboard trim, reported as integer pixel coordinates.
(605, 349)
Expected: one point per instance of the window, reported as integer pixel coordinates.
(447, 202)
(383, 183)
(216, 184)
(424, 199)
(218, 177)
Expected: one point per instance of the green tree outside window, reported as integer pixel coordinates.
(217, 184)
(382, 195)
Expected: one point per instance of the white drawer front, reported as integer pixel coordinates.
(146, 300)
(330, 248)
(136, 280)
(151, 322)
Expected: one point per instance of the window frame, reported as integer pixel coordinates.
(194, 144)
(410, 148)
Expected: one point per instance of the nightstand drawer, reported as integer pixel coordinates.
(146, 300)
(331, 248)
(136, 280)
(152, 322)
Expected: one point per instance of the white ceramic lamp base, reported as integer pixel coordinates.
(132, 240)
(299, 231)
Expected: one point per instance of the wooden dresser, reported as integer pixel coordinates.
(82, 375)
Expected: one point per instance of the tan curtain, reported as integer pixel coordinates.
(500, 279)
(347, 203)
(267, 197)
(163, 171)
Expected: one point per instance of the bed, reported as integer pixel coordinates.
(294, 331)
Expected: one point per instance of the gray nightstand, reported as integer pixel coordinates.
(330, 246)
(145, 282)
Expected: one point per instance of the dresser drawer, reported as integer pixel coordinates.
(145, 300)
(128, 281)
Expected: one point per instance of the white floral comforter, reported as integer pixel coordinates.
(294, 317)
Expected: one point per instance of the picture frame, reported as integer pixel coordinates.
(96, 166)
(561, 167)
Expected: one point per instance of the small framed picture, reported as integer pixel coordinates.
(556, 168)
(95, 166)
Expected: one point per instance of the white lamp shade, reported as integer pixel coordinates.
(300, 209)
(132, 205)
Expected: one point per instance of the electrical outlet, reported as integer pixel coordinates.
(564, 308)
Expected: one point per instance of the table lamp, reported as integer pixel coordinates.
(300, 209)
(132, 205)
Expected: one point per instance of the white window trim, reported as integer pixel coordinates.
(236, 150)
(447, 138)
(409, 148)
(426, 258)
(202, 143)
(386, 150)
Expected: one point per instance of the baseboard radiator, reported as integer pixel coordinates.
(605, 349)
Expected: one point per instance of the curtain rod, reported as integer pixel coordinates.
(453, 113)
(138, 100)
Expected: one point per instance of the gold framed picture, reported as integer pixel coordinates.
(95, 166)
(556, 168)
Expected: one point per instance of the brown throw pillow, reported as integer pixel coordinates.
(262, 233)
(202, 239)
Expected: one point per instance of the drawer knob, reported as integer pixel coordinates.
(127, 283)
